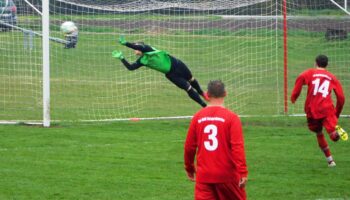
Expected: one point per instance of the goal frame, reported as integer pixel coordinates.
(46, 60)
(45, 20)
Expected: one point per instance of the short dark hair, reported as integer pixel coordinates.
(216, 89)
(322, 61)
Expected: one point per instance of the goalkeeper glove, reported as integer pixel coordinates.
(122, 40)
(118, 54)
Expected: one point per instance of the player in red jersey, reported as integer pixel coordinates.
(319, 108)
(216, 135)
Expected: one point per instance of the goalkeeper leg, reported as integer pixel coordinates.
(195, 96)
(194, 83)
(181, 70)
(183, 84)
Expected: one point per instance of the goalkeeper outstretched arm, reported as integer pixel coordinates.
(132, 66)
(119, 55)
(138, 46)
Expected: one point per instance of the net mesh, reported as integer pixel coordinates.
(151, 5)
(239, 42)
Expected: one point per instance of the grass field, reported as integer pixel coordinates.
(144, 160)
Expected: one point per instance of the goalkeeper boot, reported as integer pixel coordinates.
(205, 96)
(342, 133)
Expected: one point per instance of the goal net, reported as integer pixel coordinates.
(237, 41)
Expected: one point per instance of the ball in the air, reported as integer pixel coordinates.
(68, 27)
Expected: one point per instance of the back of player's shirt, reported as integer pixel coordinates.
(320, 84)
(217, 134)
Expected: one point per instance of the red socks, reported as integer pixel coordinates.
(322, 143)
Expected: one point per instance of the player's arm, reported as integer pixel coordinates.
(237, 150)
(143, 48)
(190, 150)
(300, 81)
(140, 47)
(119, 55)
(338, 90)
(132, 66)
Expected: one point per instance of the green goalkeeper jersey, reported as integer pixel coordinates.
(157, 60)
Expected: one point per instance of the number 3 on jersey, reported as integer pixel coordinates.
(321, 88)
(212, 144)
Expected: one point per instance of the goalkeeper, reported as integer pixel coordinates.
(174, 69)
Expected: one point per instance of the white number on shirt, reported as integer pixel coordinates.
(212, 130)
(323, 88)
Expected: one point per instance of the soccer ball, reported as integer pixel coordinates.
(68, 27)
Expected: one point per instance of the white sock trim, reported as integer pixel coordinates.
(329, 158)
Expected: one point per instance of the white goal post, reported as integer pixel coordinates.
(46, 62)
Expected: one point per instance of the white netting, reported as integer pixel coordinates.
(20, 63)
(239, 42)
(150, 5)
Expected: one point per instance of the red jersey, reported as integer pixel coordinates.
(216, 134)
(318, 103)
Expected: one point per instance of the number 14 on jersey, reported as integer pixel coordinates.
(321, 87)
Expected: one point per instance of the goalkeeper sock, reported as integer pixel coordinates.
(322, 143)
(194, 83)
(195, 96)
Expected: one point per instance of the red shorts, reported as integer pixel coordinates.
(328, 123)
(222, 191)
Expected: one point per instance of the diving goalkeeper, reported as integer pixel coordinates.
(174, 69)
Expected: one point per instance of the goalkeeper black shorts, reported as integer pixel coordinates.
(179, 74)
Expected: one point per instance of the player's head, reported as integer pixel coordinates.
(137, 52)
(321, 61)
(216, 89)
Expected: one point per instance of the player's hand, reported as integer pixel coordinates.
(292, 100)
(242, 182)
(118, 54)
(190, 176)
(122, 40)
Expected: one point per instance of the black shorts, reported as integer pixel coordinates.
(179, 74)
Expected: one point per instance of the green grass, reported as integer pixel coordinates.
(144, 160)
